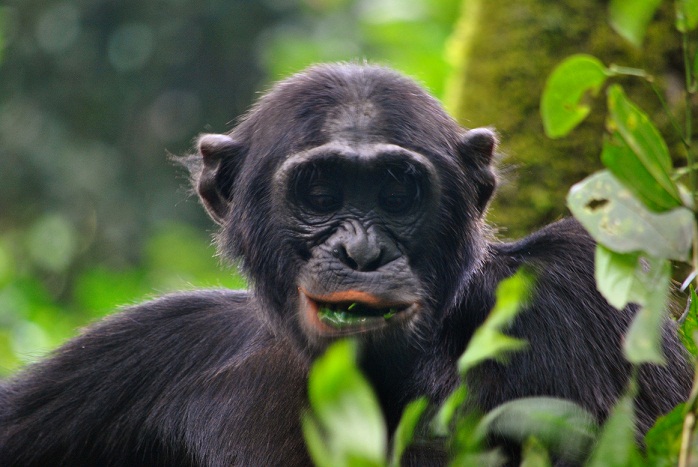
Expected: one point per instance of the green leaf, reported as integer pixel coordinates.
(615, 275)
(562, 103)
(630, 18)
(630, 278)
(631, 126)
(440, 425)
(404, 432)
(346, 426)
(616, 445)
(493, 458)
(488, 342)
(686, 15)
(663, 441)
(314, 439)
(617, 220)
(643, 342)
(622, 162)
(627, 278)
(563, 427)
(535, 454)
(689, 324)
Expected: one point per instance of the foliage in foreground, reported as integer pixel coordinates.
(642, 212)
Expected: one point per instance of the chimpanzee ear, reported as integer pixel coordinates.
(222, 158)
(476, 150)
(477, 146)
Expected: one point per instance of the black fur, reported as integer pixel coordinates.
(219, 377)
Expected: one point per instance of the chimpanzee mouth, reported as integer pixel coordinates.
(351, 312)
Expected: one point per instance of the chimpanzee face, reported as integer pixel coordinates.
(356, 210)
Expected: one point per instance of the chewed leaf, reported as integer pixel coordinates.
(562, 104)
(617, 220)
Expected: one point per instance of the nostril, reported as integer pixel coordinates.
(358, 248)
(361, 257)
(341, 253)
(374, 264)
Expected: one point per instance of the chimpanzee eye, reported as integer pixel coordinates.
(318, 190)
(323, 199)
(399, 196)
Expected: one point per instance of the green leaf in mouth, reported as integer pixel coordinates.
(339, 318)
(341, 315)
(391, 312)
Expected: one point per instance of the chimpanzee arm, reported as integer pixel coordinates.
(188, 379)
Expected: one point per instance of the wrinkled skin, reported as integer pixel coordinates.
(355, 205)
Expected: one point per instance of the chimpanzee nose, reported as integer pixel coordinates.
(359, 248)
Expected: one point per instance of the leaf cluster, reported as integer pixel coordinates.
(642, 212)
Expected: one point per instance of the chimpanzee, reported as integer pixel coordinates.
(355, 206)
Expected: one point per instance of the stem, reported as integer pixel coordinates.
(627, 71)
(681, 171)
(670, 115)
(693, 183)
(689, 422)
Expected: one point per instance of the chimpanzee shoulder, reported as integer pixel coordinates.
(200, 360)
(574, 336)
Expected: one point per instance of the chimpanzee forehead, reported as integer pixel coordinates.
(356, 121)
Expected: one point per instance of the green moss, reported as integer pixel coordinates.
(503, 53)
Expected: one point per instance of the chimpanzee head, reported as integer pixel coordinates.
(353, 200)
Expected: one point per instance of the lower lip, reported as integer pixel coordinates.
(310, 314)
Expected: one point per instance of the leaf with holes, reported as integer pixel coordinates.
(617, 220)
(562, 105)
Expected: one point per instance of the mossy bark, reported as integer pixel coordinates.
(504, 51)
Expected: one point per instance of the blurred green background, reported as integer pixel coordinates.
(96, 95)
